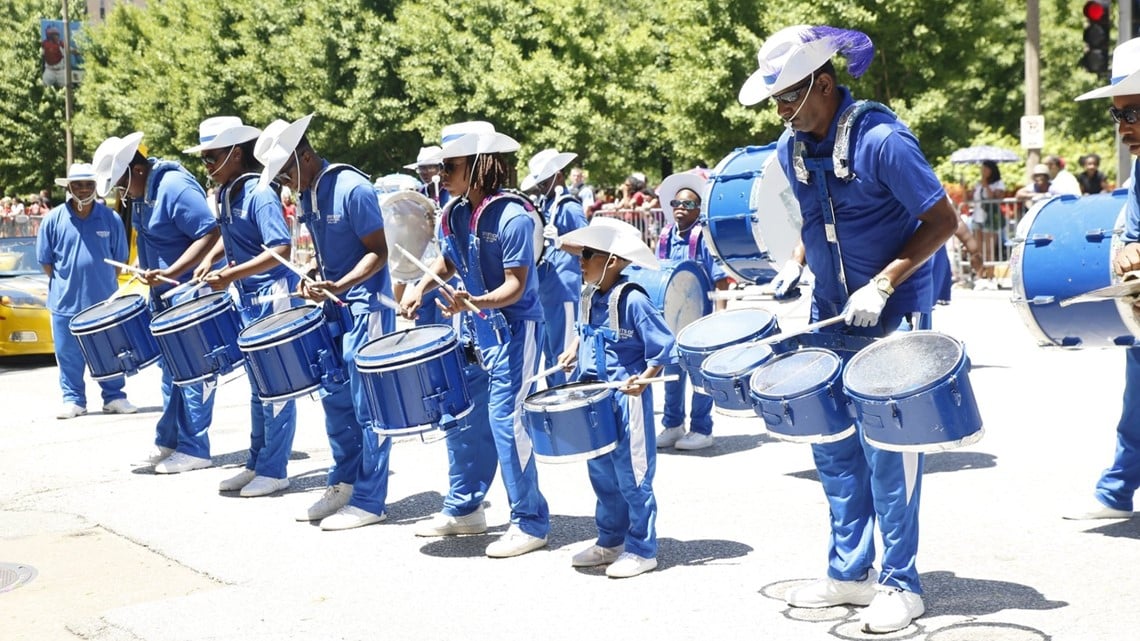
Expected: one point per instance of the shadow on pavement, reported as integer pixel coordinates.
(935, 463)
(960, 596)
(1124, 529)
(724, 445)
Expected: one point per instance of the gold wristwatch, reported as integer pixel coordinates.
(883, 284)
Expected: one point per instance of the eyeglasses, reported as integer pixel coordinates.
(450, 167)
(684, 204)
(1130, 115)
(588, 253)
(210, 159)
(795, 93)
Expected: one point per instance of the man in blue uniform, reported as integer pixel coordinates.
(72, 242)
(250, 217)
(1117, 484)
(559, 276)
(681, 194)
(338, 203)
(175, 228)
(622, 337)
(871, 219)
(489, 242)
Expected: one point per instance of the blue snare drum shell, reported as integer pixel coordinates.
(292, 353)
(700, 339)
(726, 373)
(567, 424)
(800, 397)
(115, 337)
(198, 338)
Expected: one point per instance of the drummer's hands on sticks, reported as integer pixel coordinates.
(316, 290)
(633, 388)
(786, 281)
(1127, 259)
(865, 306)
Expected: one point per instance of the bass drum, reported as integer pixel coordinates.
(1066, 249)
(752, 218)
(409, 221)
(680, 289)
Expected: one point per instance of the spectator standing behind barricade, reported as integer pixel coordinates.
(71, 245)
(174, 229)
(559, 275)
(580, 188)
(1091, 179)
(1061, 180)
(986, 217)
(1040, 188)
(1116, 487)
(684, 240)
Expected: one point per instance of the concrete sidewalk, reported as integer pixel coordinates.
(124, 554)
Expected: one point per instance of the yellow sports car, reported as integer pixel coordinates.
(25, 322)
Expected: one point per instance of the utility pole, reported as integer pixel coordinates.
(1032, 75)
(67, 86)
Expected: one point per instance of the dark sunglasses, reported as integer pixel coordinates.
(793, 94)
(1130, 115)
(211, 159)
(684, 204)
(449, 167)
(588, 253)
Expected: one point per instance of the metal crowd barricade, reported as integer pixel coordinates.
(993, 223)
(649, 222)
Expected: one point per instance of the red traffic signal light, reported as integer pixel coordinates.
(1096, 11)
(1097, 35)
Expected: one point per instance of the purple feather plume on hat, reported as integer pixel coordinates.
(856, 46)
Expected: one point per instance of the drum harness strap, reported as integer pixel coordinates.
(808, 168)
(663, 241)
(224, 200)
(496, 330)
(560, 200)
(140, 213)
(606, 333)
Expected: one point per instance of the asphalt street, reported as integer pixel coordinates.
(104, 549)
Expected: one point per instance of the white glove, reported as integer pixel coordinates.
(787, 279)
(550, 231)
(865, 306)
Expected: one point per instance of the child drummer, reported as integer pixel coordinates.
(621, 337)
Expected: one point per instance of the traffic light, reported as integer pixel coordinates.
(1098, 15)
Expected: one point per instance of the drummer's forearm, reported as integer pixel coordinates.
(193, 255)
(364, 269)
(652, 371)
(509, 293)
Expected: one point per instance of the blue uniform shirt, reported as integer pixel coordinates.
(643, 337)
(506, 240)
(678, 248)
(172, 214)
(249, 218)
(560, 274)
(875, 213)
(348, 211)
(75, 248)
(1132, 217)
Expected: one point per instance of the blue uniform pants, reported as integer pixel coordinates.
(1118, 483)
(360, 456)
(69, 357)
(626, 513)
(471, 455)
(508, 365)
(559, 318)
(187, 411)
(700, 406)
(272, 425)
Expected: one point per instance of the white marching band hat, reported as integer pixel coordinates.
(612, 236)
(545, 164)
(220, 132)
(794, 53)
(112, 159)
(430, 155)
(669, 187)
(276, 144)
(77, 172)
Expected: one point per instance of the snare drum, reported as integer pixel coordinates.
(911, 393)
(115, 337)
(568, 425)
(1068, 249)
(726, 373)
(800, 397)
(413, 380)
(698, 340)
(198, 338)
(680, 289)
(292, 353)
(752, 217)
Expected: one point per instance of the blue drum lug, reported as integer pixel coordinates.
(895, 413)
(127, 360)
(1097, 235)
(220, 360)
(955, 393)
(788, 413)
(1039, 239)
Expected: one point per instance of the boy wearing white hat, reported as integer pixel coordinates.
(873, 214)
(339, 205)
(621, 337)
(427, 165)
(174, 229)
(250, 216)
(71, 244)
(1116, 487)
(559, 276)
(488, 240)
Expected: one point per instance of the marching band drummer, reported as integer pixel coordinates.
(621, 337)
(559, 275)
(1116, 487)
(488, 237)
(428, 164)
(250, 216)
(684, 240)
(339, 205)
(71, 244)
(869, 226)
(175, 228)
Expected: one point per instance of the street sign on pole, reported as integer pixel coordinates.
(1033, 132)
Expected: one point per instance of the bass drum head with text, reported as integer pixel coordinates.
(752, 217)
(409, 221)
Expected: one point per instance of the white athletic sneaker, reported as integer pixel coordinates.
(694, 441)
(446, 525)
(70, 410)
(119, 406)
(513, 543)
(237, 481)
(595, 555)
(669, 436)
(349, 517)
(264, 486)
(629, 565)
(892, 609)
(828, 592)
(334, 498)
(178, 462)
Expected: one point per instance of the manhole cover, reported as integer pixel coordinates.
(13, 575)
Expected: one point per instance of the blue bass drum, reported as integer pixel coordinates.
(115, 337)
(680, 289)
(911, 393)
(198, 338)
(752, 218)
(413, 380)
(698, 340)
(800, 397)
(1067, 250)
(572, 422)
(292, 353)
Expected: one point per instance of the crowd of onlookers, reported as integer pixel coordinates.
(21, 216)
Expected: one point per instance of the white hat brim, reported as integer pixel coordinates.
(799, 65)
(228, 138)
(274, 150)
(1128, 86)
(675, 183)
(605, 236)
(552, 166)
(112, 159)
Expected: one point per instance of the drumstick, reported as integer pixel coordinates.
(139, 272)
(439, 281)
(121, 289)
(305, 277)
(615, 384)
(776, 338)
(543, 374)
(193, 282)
